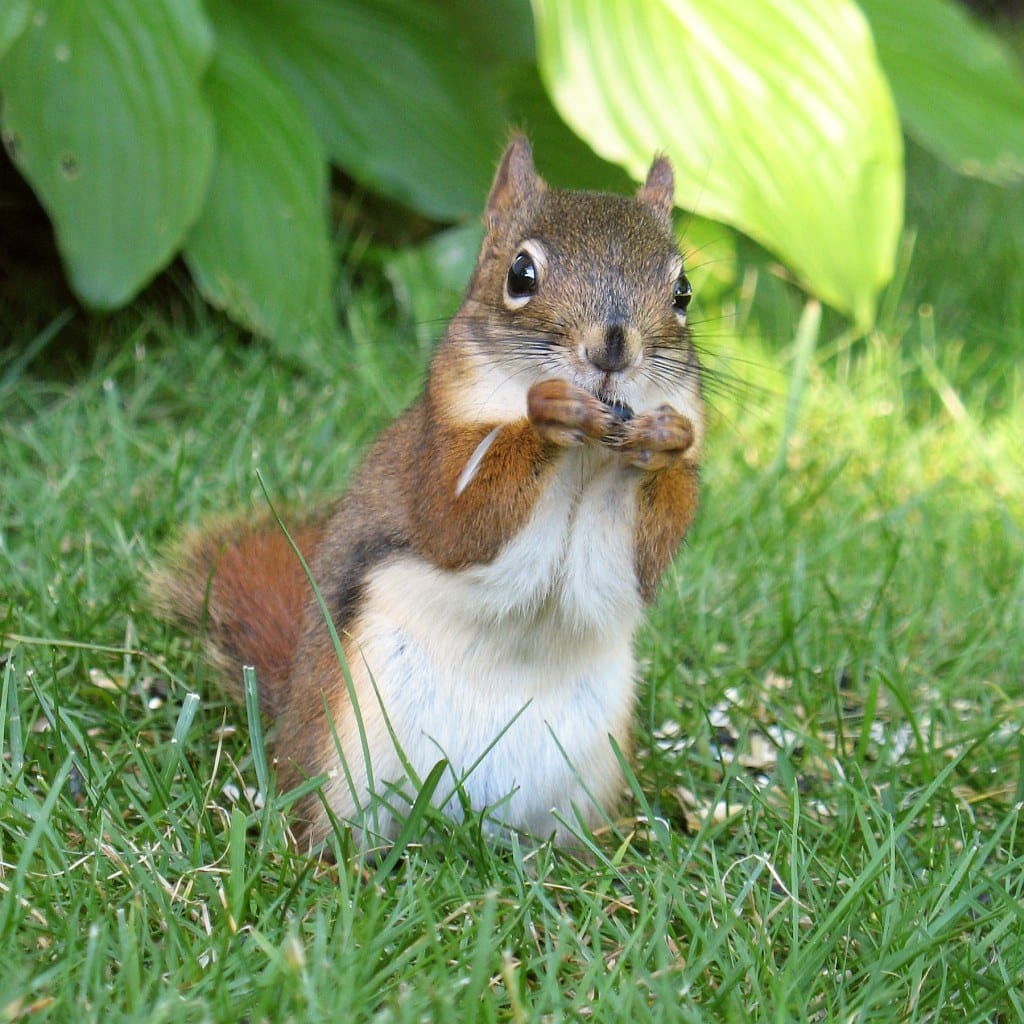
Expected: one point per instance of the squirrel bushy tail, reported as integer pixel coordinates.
(243, 590)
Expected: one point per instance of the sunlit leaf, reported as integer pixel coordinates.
(779, 122)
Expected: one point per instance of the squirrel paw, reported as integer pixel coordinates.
(657, 439)
(565, 415)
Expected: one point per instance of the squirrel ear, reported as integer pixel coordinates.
(516, 183)
(658, 190)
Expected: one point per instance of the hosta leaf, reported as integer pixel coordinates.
(260, 249)
(13, 18)
(389, 87)
(779, 122)
(103, 115)
(960, 90)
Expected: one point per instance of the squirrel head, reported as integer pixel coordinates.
(583, 285)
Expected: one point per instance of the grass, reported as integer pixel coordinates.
(825, 820)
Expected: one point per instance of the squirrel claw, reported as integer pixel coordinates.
(657, 439)
(565, 415)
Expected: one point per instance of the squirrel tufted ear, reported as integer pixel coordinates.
(516, 183)
(659, 188)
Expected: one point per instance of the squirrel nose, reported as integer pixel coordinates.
(613, 354)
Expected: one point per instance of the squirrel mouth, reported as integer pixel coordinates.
(621, 411)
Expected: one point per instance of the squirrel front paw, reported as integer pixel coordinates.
(656, 439)
(565, 415)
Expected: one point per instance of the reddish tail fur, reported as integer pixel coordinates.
(243, 589)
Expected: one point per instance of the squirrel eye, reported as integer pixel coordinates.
(682, 292)
(522, 277)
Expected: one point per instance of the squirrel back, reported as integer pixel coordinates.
(489, 563)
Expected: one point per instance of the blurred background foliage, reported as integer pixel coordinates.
(239, 136)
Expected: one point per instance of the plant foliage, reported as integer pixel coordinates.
(106, 112)
(206, 127)
(795, 142)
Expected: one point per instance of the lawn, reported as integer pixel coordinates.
(824, 818)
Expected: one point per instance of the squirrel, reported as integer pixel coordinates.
(489, 564)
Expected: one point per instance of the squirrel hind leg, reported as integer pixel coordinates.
(243, 590)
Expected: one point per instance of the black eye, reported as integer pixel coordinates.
(522, 277)
(681, 294)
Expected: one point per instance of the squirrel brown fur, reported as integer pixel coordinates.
(488, 566)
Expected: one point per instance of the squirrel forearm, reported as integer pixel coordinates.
(458, 522)
(667, 506)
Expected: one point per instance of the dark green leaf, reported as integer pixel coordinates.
(563, 158)
(396, 98)
(260, 249)
(104, 117)
(960, 90)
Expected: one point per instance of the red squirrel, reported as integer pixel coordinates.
(488, 567)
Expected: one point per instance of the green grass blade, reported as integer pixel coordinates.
(804, 344)
(255, 721)
(189, 707)
(338, 649)
(413, 824)
(41, 825)
(11, 722)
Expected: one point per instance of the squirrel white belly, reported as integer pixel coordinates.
(489, 565)
(527, 659)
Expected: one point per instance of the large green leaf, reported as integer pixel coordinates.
(103, 116)
(260, 249)
(778, 121)
(960, 90)
(390, 87)
(13, 18)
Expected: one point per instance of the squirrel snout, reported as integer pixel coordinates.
(612, 347)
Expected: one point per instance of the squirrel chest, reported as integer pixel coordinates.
(488, 567)
(516, 671)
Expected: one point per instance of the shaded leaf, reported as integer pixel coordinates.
(563, 158)
(260, 249)
(960, 90)
(394, 95)
(104, 117)
(429, 280)
(779, 122)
